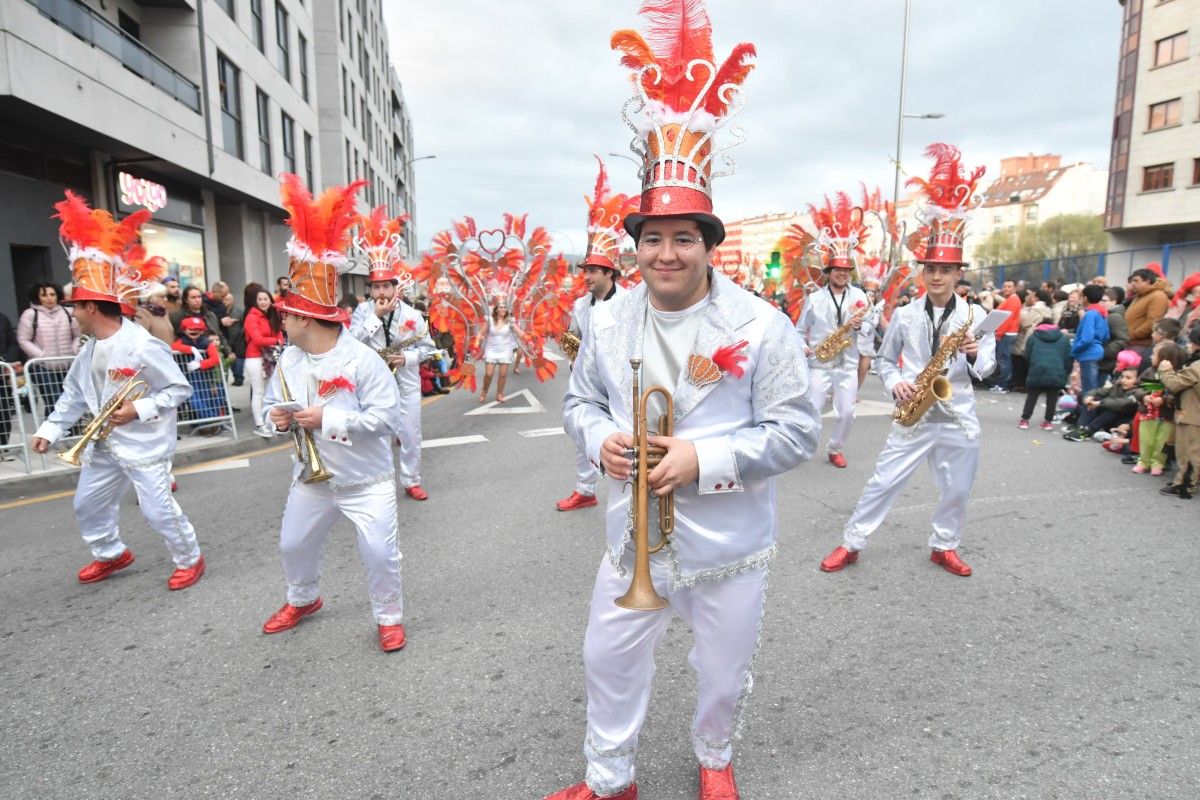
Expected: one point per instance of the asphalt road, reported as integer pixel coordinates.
(1066, 667)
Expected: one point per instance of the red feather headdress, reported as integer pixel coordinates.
(137, 274)
(950, 191)
(320, 227)
(606, 211)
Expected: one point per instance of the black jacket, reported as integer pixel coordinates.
(10, 349)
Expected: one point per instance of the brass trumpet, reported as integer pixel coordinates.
(641, 595)
(313, 470)
(101, 425)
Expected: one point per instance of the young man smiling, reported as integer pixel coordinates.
(735, 367)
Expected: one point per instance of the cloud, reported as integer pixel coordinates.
(514, 98)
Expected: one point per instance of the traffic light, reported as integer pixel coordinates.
(774, 267)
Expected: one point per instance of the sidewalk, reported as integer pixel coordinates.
(57, 475)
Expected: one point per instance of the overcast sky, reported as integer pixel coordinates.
(514, 97)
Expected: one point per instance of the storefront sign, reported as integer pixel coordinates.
(141, 192)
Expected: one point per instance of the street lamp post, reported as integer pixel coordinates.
(408, 229)
(636, 163)
(418, 158)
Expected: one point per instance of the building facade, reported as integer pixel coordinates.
(191, 108)
(1153, 196)
(751, 241)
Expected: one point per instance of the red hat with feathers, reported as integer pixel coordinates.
(606, 211)
(317, 249)
(95, 244)
(380, 241)
(840, 231)
(683, 98)
(137, 273)
(949, 200)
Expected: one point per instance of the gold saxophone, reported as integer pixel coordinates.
(641, 595)
(101, 425)
(396, 348)
(313, 470)
(569, 344)
(837, 341)
(932, 384)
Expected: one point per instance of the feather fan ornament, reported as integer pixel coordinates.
(321, 226)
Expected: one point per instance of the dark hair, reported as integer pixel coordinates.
(1168, 327)
(282, 278)
(1115, 293)
(106, 308)
(348, 301)
(1044, 296)
(1194, 335)
(250, 294)
(708, 232)
(1050, 285)
(1008, 280)
(272, 313)
(1059, 295)
(184, 296)
(1148, 275)
(1171, 352)
(1093, 293)
(36, 290)
(1022, 294)
(327, 323)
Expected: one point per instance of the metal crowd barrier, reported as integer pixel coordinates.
(12, 420)
(44, 380)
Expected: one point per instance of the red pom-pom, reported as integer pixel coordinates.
(729, 360)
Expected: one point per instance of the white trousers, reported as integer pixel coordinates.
(952, 459)
(103, 481)
(618, 660)
(843, 384)
(410, 440)
(258, 386)
(586, 475)
(312, 510)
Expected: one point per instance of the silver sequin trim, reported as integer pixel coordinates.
(388, 477)
(747, 564)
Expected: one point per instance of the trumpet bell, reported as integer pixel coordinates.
(641, 598)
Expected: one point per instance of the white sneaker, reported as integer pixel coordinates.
(264, 431)
(1102, 436)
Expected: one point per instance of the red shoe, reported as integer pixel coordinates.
(391, 637)
(183, 578)
(174, 486)
(289, 616)
(580, 791)
(99, 570)
(718, 784)
(949, 561)
(417, 493)
(576, 501)
(839, 558)
(838, 460)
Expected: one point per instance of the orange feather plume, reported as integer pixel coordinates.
(948, 186)
(839, 218)
(378, 229)
(80, 225)
(323, 224)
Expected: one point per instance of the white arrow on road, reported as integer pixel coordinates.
(542, 432)
(450, 441)
(494, 407)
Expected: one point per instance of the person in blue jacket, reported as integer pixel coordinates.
(1090, 336)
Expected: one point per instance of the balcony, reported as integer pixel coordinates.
(87, 25)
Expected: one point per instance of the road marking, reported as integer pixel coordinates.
(236, 463)
(550, 355)
(453, 440)
(542, 432)
(535, 406)
(868, 408)
(433, 398)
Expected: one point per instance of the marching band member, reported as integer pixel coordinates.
(343, 402)
(398, 332)
(600, 273)
(741, 416)
(947, 437)
(118, 355)
(827, 311)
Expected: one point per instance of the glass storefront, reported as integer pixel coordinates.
(175, 232)
(183, 249)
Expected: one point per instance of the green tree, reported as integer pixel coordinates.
(1057, 237)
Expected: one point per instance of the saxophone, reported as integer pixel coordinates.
(396, 348)
(569, 344)
(932, 384)
(837, 341)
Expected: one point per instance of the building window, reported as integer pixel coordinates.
(1165, 114)
(289, 144)
(283, 58)
(227, 7)
(345, 93)
(1170, 49)
(256, 25)
(264, 131)
(129, 25)
(1159, 176)
(1196, 172)
(349, 162)
(1031, 214)
(308, 159)
(231, 105)
(302, 54)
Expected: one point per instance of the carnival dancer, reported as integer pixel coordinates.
(600, 271)
(498, 341)
(395, 330)
(832, 322)
(740, 414)
(127, 374)
(947, 435)
(340, 401)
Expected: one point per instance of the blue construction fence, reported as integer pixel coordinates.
(1177, 261)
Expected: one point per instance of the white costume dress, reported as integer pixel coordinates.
(499, 344)
(407, 327)
(839, 375)
(586, 474)
(947, 437)
(714, 569)
(138, 453)
(355, 444)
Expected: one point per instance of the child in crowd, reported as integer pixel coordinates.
(1156, 412)
(1183, 380)
(1090, 336)
(1107, 407)
(1048, 354)
(203, 352)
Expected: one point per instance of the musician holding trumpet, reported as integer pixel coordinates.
(128, 381)
(927, 361)
(725, 372)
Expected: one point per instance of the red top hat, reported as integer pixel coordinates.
(605, 213)
(380, 241)
(95, 245)
(840, 232)
(317, 249)
(949, 200)
(682, 100)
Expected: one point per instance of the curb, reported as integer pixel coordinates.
(23, 486)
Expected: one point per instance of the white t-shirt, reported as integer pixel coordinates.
(101, 352)
(668, 341)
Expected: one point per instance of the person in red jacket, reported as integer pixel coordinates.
(1006, 337)
(203, 354)
(263, 330)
